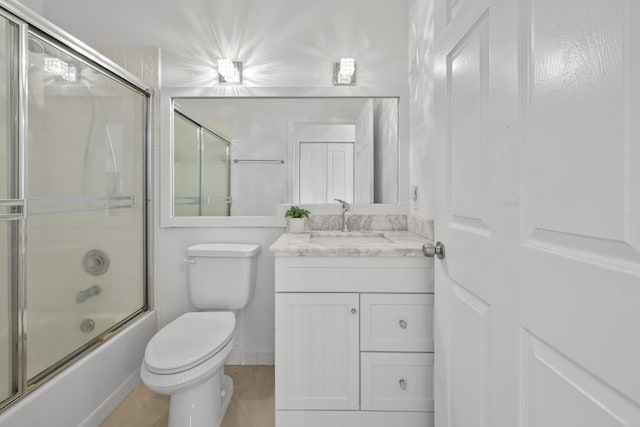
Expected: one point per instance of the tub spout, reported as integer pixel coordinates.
(85, 294)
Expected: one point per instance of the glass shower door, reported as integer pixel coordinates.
(85, 248)
(186, 173)
(10, 208)
(215, 169)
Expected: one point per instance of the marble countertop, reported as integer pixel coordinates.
(362, 244)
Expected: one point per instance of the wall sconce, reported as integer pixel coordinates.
(229, 71)
(344, 72)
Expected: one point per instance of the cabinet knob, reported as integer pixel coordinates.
(403, 383)
(354, 311)
(403, 324)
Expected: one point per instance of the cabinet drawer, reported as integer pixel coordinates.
(396, 322)
(396, 382)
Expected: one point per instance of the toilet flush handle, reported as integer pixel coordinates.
(189, 261)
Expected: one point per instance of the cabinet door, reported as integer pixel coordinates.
(317, 355)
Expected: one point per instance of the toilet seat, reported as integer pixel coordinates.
(188, 341)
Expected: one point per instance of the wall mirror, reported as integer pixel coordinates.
(233, 159)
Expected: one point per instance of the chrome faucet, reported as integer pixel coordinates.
(91, 291)
(345, 215)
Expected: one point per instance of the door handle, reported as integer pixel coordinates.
(430, 250)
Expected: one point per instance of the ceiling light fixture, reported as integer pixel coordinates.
(344, 72)
(229, 71)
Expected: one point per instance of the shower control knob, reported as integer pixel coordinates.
(95, 262)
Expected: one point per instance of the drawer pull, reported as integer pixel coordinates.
(403, 324)
(403, 383)
(354, 311)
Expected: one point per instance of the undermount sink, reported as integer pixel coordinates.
(347, 238)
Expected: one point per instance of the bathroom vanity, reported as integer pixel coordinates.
(354, 330)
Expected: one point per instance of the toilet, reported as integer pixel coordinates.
(185, 359)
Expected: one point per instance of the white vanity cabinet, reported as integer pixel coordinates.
(354, 341)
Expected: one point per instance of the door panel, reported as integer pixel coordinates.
(580, 186)
(537, 301)
(469, 367)
(468, 84)
(313, 172)
(340, 161)
(10, 208)
(557, 392)
(579, 193)
(463, 297)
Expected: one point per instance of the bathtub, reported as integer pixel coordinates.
(53, 335)
(87, 391)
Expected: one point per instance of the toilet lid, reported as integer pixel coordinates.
(188, 341)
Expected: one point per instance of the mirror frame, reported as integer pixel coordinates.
(167, 97)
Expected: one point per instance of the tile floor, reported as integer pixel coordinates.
(252, 403)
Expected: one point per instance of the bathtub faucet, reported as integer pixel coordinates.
(91, 291)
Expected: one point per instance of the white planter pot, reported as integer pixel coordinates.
(296, 225)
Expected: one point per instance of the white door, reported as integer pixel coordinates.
(340, 172)
(317, 351)
(313, 172)
(538, 298)
(326, 172)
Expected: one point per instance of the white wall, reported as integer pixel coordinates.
(385, 143)
(35, 5)
(283, 43)
(422, 107)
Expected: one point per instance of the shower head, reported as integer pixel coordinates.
(35, 46)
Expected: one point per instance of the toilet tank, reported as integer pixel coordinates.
(222, 276)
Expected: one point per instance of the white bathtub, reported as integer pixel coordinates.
(86, 392)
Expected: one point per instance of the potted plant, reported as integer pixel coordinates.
(296, 219)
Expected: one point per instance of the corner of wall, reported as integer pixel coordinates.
(421, 111)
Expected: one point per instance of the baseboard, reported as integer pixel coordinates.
(353, 419)
(239, 357)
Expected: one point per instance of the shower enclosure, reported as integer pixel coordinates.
(73, 202)
(202, 167)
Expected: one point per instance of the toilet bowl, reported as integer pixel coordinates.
(185, 359)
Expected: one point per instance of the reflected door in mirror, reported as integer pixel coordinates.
(326, 172)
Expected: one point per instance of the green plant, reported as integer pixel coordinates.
(296, 212)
